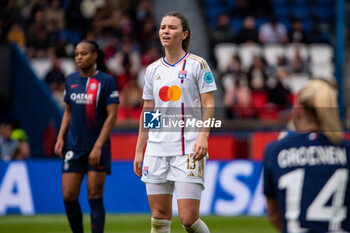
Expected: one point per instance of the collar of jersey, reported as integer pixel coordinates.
(166, 63)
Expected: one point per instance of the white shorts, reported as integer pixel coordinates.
(162, 169)
(184, 190)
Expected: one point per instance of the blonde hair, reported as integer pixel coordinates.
(320, 98)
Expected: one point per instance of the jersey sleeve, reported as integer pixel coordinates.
(205, 78)
(269, 189)
(147, 93)
(65, 94)
(112, 92)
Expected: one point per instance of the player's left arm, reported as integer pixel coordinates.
(208, 108)
(108, 125)
(274, 213)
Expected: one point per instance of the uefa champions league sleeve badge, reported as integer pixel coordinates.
(208, 77)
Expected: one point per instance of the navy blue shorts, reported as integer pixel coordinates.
(78, 161)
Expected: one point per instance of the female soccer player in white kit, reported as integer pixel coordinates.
(175, 160)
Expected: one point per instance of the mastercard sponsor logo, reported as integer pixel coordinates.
(172, 93)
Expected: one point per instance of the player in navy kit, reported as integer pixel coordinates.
(90, 114)
(306, 174)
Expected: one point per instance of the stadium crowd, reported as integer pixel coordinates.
(266, 85)
(127, 33)
(125, 30)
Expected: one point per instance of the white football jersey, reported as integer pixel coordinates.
(176, 91)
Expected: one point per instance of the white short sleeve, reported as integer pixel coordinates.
(205, 79)
(148, 86)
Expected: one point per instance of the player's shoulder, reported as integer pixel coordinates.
(104, 77)
(345, 143)
(197, 60)
(154, 64)
(73, 76)
(288, 141)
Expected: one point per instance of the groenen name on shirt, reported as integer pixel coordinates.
(312, 156)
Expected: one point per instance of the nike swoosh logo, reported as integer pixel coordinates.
(74, 86)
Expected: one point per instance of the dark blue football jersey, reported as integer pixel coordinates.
(88, 99)
(309, 176)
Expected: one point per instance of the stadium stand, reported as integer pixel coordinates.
(127, 30)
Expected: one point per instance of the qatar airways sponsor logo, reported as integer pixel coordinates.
(82, 98)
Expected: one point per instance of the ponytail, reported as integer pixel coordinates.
(320, 98)
(100, 60)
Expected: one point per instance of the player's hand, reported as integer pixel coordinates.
(200, 148)
(95, 157)
(138, 163)
(59, 147)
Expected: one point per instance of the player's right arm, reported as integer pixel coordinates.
(141, 139)
(273, 207)
(67, 115)
(274, 213)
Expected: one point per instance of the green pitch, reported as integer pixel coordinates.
(129, 224)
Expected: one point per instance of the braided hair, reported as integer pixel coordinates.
(100, 60)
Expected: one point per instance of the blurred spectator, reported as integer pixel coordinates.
(148, 33)
(8, 146)
(273, 32)
(235, 66)
(257, 77)
(37, 38)
(130, 107)
(111, 48)
(248, 33)
(53, 32)
(11, 149)
(298, 64)
(55, 78)
(321, 33)
(222, 31)
(280, 94)
(126, 26)
(237, 97)
(261, 8)
(55, 13)
(297, 33)
(16, 35)
(89, 7)
(101, 19)
(105, 38)
(126, 63)
(9, 14)
(76, 22)
(144, 11)
(18, 133)
(149, 56)
(241, 8)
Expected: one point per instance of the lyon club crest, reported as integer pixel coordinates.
(182, 74)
